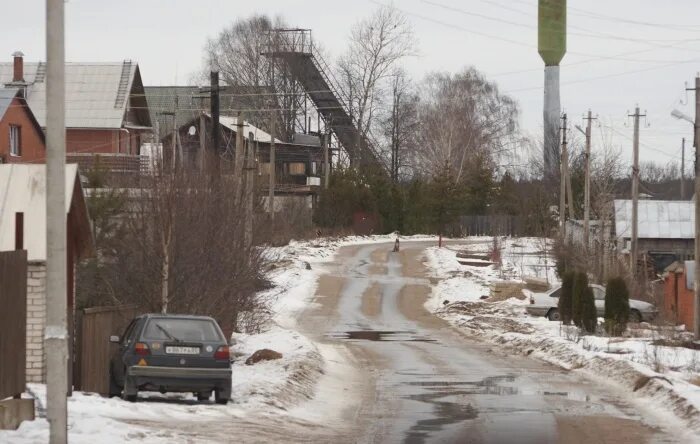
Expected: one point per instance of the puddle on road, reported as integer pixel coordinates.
(380, 335)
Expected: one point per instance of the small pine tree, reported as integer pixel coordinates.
(580, 286)
(589, 316)
(566, 298)
(617, 306)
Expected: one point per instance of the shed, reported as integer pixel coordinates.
(665, 229)
(23, 227)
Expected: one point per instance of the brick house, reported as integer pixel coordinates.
(23, 227)
(679, 296)
(106, 107)
(21, 137)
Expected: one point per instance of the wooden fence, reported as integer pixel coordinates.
(489, 225)
(93, 350)
(13, 322)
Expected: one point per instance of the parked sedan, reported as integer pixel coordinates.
(172, 353)
(545, 304)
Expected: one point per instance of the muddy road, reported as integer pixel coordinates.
(422, 381)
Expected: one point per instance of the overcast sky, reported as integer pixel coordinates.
(642, 51)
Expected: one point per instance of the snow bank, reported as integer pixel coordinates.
(665, 375)
(277, 383)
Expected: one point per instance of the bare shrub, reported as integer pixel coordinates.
(180, 248)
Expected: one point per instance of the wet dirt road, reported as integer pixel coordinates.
(423, 381)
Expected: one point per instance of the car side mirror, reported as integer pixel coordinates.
(114, 339)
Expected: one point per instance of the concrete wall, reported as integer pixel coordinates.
(32, 144)
(36, 321)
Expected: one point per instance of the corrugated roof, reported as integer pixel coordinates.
(96, 93)
(258, 134)
(7, 95)
(657, 219)
(191, 100)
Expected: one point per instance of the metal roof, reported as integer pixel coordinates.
(96, 93)
(258, 134)
(657, 219)
(7, 95)
(192, 100)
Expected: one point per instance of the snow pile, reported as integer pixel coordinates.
(521, 257)
(278, 383)
(666, 375)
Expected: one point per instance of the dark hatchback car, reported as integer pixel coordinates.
(172, 353)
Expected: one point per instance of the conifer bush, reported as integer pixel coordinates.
(617, 306)
(566, 297)
(579, 289)
(589, 316)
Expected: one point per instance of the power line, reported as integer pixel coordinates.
(585, 13)
(590, 34)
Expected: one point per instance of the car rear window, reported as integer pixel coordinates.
(182, 330)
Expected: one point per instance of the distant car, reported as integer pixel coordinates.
(545, 304)
(171, 353)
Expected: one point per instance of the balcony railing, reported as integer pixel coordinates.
(111, 163)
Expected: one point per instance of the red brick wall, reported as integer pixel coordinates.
(102, 141)
(32, 145)
(678, 300)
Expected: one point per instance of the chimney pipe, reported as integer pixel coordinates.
(18, 72)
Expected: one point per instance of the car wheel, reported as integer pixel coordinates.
(130, 392)
(203, 396)
(553, 315)
(635, 316)
(114, 389)
(221, 397)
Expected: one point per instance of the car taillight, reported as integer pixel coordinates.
(141, 349)
(222, 353)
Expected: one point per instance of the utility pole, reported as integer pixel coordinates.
(273, 171)
(177, 147)
(56, 332)
(202, 142)
(239, 158)
(563, 161)
(271, 191)
(249, 192)
(215, 130)
(696, 283)
(326, 159)
(635, 194)
(683, 169)
(587, 188)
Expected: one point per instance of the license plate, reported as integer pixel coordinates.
(177, 350)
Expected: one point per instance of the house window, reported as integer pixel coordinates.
(15, 140)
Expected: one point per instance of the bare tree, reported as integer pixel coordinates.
(463, 118)
(241, 54)
(180, 248)
(401, 125)
(377, 45)
(606, 171)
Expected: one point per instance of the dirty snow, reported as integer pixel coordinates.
(309, 382)
(674, 371)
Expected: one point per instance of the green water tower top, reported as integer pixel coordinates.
(551, 38)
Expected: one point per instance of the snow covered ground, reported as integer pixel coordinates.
(668, 375)
(267, 388)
